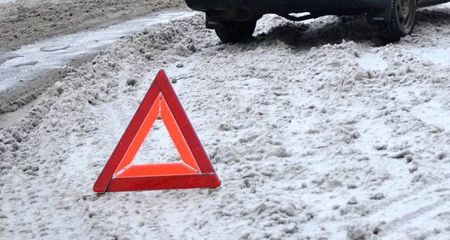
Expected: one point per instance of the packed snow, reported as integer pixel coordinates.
(316, 130)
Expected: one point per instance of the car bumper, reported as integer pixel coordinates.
(319, 7)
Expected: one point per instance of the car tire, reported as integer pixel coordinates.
(403, 19)
(233, 32)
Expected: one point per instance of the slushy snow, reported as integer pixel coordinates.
(316, 132)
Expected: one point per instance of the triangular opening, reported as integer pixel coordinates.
(169, 155)
(158, 147)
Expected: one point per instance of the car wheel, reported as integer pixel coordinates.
(233, 32)
(403, 19)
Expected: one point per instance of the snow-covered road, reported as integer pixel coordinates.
(26, 21)
(316, 130)
(31, 60)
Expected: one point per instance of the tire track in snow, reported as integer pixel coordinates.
(413, 201)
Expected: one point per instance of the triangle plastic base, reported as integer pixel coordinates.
(164, 182)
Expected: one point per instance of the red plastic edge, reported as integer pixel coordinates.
(164, 182)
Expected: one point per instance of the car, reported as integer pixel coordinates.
(235, 20)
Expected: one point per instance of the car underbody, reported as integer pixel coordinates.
(397, 15)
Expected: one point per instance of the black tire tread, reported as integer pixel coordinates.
(234, 32)
(393, 31)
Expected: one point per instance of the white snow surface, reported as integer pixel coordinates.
(311, 138)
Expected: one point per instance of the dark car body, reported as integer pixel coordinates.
(234, 20)
(315, 7)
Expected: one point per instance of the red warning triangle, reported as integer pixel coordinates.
(193, 171)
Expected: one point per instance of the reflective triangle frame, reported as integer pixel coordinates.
(194, 171)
